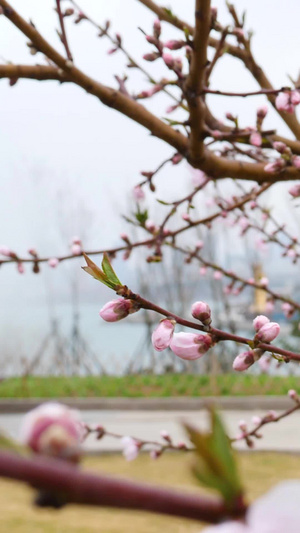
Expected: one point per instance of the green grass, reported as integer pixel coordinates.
(147, 386)
(260, 471)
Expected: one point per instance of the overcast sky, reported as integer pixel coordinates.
(65, 156)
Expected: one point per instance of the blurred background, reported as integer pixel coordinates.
(68, 167)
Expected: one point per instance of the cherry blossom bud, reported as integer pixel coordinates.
(243, 361)
(157, 28)
(262, 112)
(177, 158)
(151, 57)
(155, 454)
(53, 429)
(296, 161)
(276, 166)
(138, 193)
(239, 32)
(174, 45)
(256, 139)
(169, 61)
(186, 217)
(203, 271)
(280, 147)
(76, 249)
(269, 306)
(117, 309)
(162, 335)
(20, 268)
(293, 394)
(151, 39)
(294, 191)
(264, 364)
(260, 321)
(4, 250)
(124, 237)
(150, 226)
(53, 262)
(253, 204)
(288, 309)
(130, 448)
(283, 102)
(201, 311)
(230, 116)
(295, 97)
(268, 332)
(256, 420)
(218, 275)
(189, 345)
(199, 245)
(165, 435)
(243, 425)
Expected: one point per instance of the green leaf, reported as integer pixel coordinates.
(96, 272)
(162, 202)
(141, 216)
(109, 271)
(215, 465)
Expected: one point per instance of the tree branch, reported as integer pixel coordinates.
(196, 79)
(33, 72)
(84, 488)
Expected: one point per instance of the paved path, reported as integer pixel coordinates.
(147, 425)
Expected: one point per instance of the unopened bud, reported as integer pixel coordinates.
(201, 311)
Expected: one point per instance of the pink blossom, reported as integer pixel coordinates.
(291, 252)
(151, 57)
(288, 309)
(243, 361)
(130, 448)
(199, 245)
(165, 435)
(292, 394)
(260, 321)
(295, 97)
(162, 335)
(283, 102)
(268, 332)
(157, 28)
(168, 59)
(186, 217)
(256, 420)
(177, 158)
(280, 147)
(138, 193)
(262, 112)
(251, 281)
(189, 345)
(296, 161)
(264, 281)
(295, 190)
(203, 270)
(76, 240)
(53, 262)
(20, 268)
(174, 45)
(150, 226)
(53, 429)
(256, 139)
(117, 309)
(201, 311)
(218, 275)
(4, 250)
(243, 425)
(244, 223)
(276, 166)
(76, 249)
(275, 512)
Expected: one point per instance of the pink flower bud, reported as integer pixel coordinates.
(138, 193)
(243, 425)
(260, 321)
(262, 112)
(243, 361)
(295, 97)
(4, 250)
(53, 262)
(177, 158)
(280, 147)
(296, 161)
(201, 311)
(268, 332)
(186, 217)
(130, 448)
(151, 57)
(256, 139)
(292, 394)
(203, 271)
(218, 275)
(294, 191)
(156, 28)
(162, 335)
(256, 420)
(174, 45)
(264, 281)
(276, 166)
(76, 240)
(168, 59)
(288, 309)
(76, 249)
(189, 345)
(165, 435)
(20, 268)
(150, 226)
(53, 429)
(283, 102)
(117, 309)
(199, 245)
(269, 306)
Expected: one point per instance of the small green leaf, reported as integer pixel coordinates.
(96, 272)
(109, 271)
(162, 202)
(141, 216)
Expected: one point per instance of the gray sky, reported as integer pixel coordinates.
(58, 142)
